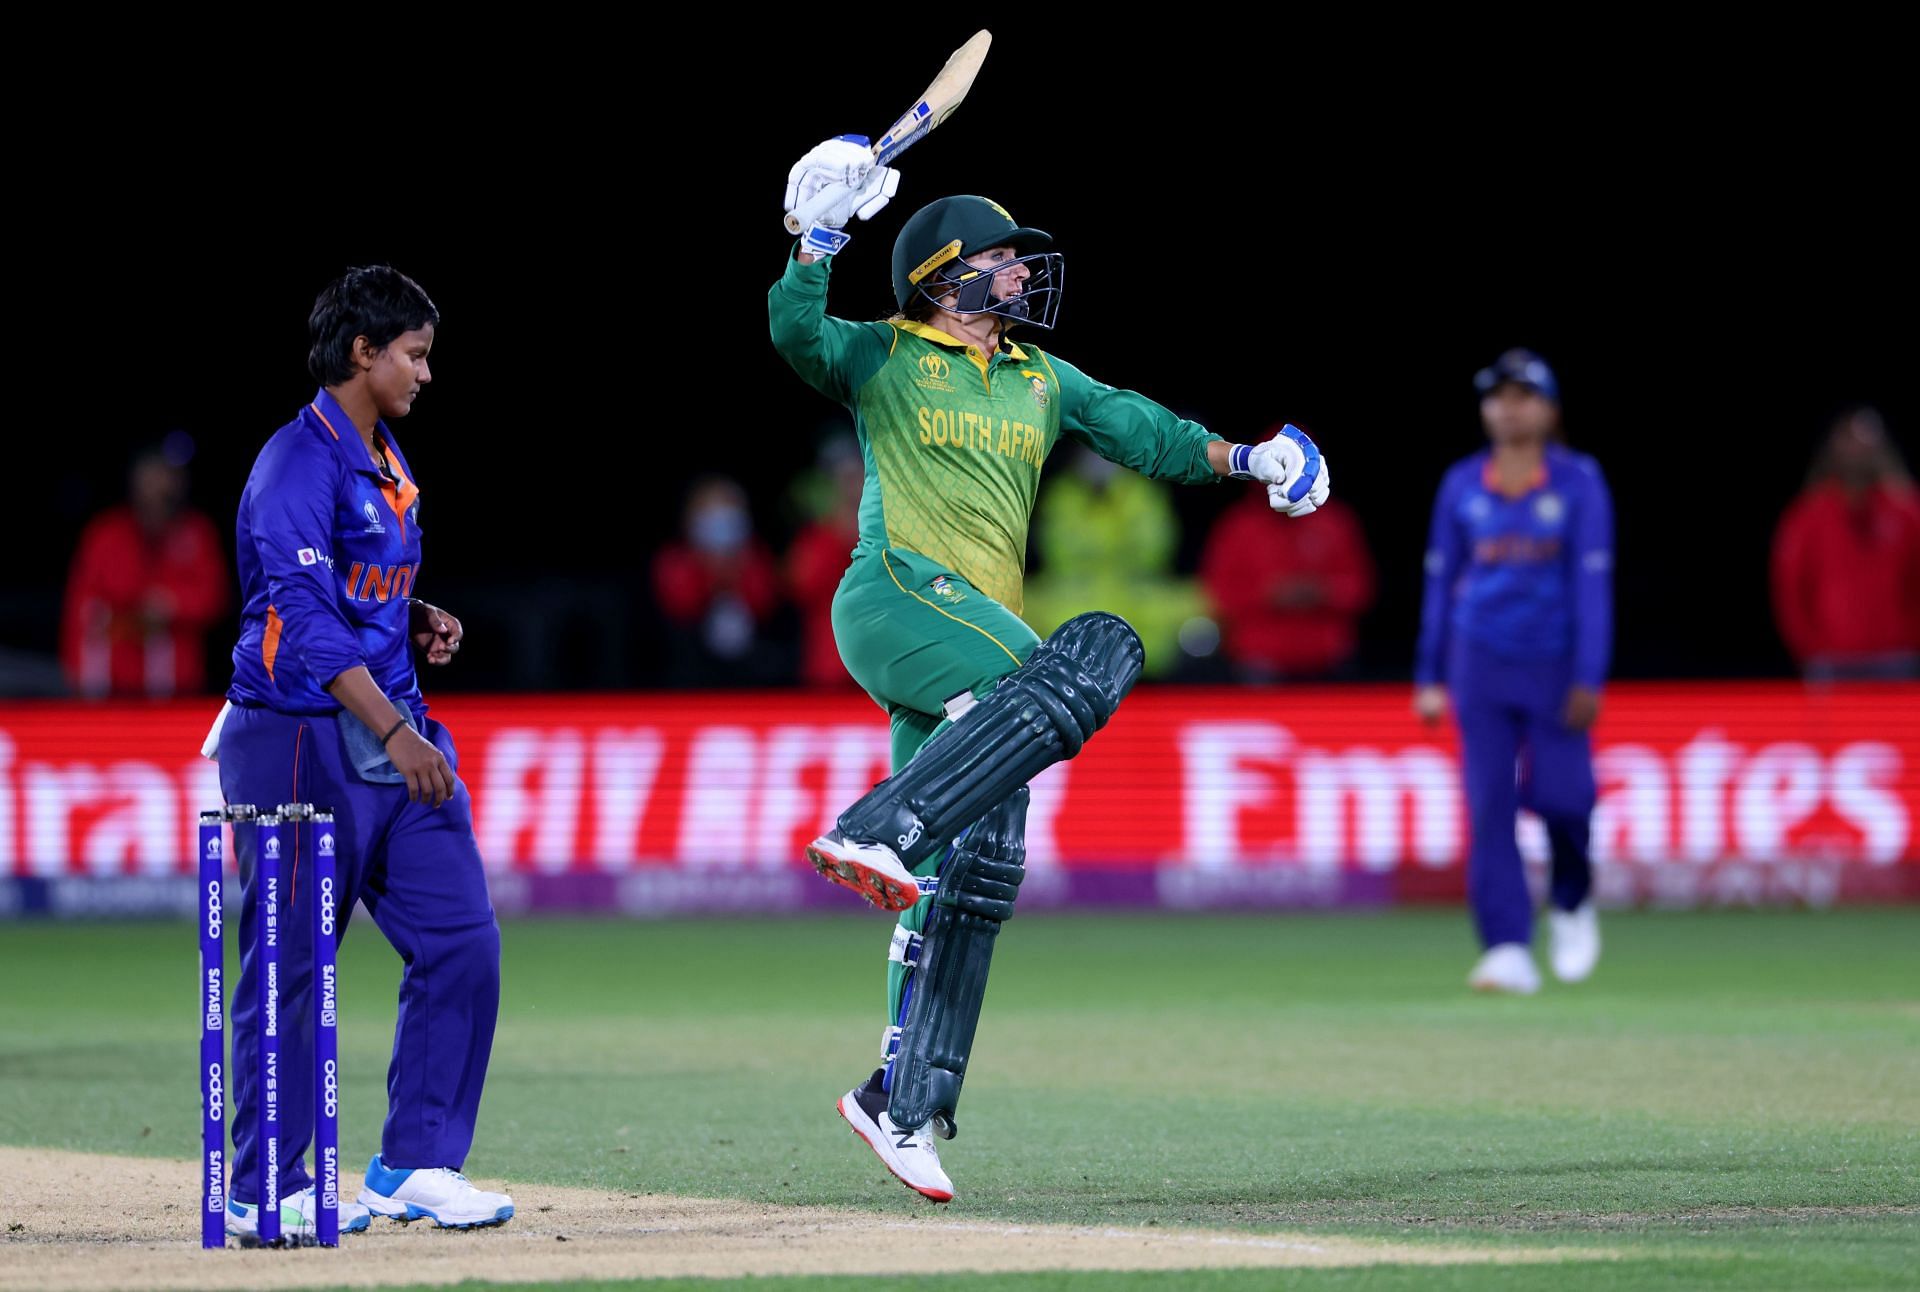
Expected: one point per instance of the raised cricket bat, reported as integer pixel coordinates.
(935, 106)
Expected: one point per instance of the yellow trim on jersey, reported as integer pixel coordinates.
(1050, 371)
(937, 610)
(927, 332)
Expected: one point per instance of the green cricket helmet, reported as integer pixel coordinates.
(930, 253)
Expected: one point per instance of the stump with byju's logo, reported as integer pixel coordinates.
(273, 834)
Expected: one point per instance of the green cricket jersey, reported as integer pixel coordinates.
(954, 438)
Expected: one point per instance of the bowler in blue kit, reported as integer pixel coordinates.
(1515, 632)
(325, 708)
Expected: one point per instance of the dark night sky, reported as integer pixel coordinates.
(1332, 238)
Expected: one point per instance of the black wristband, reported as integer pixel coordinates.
(391, 732)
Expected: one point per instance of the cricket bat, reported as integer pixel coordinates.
(935, 106)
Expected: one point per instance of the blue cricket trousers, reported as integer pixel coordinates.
(1518, 753)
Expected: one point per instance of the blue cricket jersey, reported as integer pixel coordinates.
(328, 547)
(1522, 578)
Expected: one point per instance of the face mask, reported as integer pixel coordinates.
(720, 529)
(728, 628)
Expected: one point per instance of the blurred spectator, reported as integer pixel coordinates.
(1288, 596)
(718, 589)
(830, 495)
(1107, 539)
(1846, 559)
(148, 579)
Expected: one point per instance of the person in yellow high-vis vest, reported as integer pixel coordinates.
(954, 421)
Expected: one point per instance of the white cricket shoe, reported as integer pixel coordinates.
(1507, 967)
(872, 870)
(298, 1219)
(1576, 942)
(439, 1194)
(910, 1155)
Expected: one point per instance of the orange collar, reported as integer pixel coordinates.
(1491, 479)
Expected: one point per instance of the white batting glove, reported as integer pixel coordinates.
(874, 196)
(1315, 495)
(846, 162)
(1289, 465)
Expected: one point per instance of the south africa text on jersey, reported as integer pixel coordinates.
(952, 428)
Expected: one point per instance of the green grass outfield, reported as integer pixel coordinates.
(1733, 1101)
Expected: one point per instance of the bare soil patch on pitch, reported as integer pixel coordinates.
(87, 1221)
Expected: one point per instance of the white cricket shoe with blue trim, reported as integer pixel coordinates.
(1576, 942)
(297, 1219)
(439, 1194)
(1507, 968)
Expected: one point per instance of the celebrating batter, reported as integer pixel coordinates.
(954, 421)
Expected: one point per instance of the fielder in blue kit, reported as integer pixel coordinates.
(1515, 631)
(325, 708)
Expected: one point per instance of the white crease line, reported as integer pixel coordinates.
(1273, 1244)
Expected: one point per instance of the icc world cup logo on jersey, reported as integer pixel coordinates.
(934, 371)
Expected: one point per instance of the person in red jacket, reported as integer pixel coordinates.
(1846, 559)
(718, 588)
(818, 557)
(148, 579)
(1293, 616)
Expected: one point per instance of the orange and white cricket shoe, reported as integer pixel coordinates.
(872, 870)
(910, 1155)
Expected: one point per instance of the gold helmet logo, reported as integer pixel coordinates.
(1001, 209)
(934, 366)
(934, 261)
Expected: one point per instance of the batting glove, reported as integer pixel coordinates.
(820, 241)
(1290, 466)
(844, 163)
